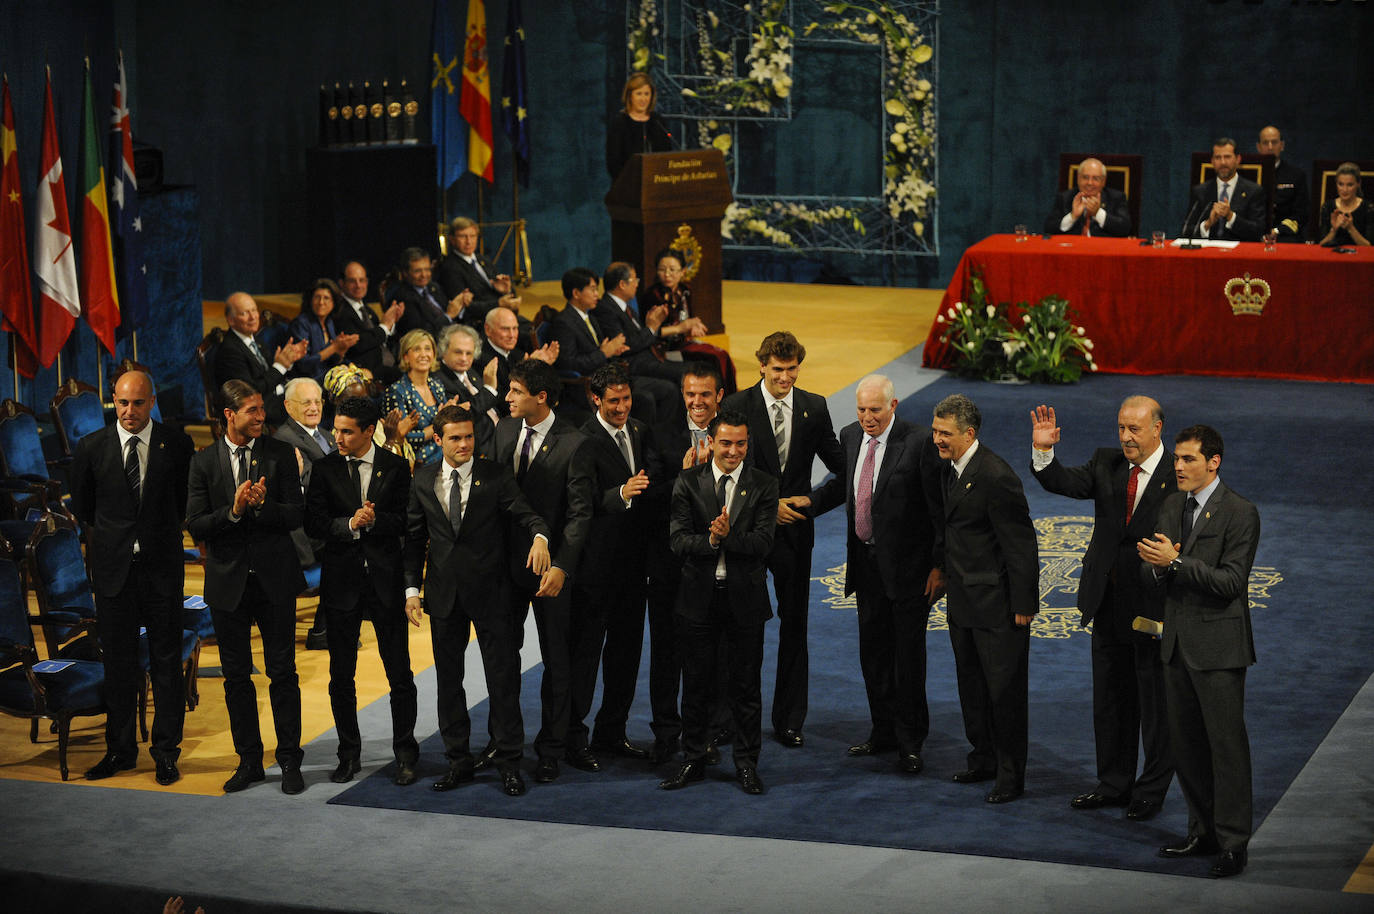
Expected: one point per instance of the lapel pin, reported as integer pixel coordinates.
(968, 485)
(805, 414)
(1207, 515)
(379, 474)
(743, 492)
(544, 449)
(477, 482)
(160, 445)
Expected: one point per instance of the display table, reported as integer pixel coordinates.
(1167, 311)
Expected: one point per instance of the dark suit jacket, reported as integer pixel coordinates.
(466, 569)
(1247, 202)
(556, 486)
(908, 507)
(479, 403)
(233, 360)
(618, 539)
(1112, 548)
(1207, 602)
(992, 561)
(331, 502)
(1290, 201)
(101, 500)
(753, 517)
(455, 274)
(296, 436)
(1117, 224)
(260, 541)
(611, 319)
(368, 351)
(577, 351)
(419, 313)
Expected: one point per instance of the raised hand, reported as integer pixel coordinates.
(1044, 431)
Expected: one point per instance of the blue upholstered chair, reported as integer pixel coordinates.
(76, 411)
(25, 480)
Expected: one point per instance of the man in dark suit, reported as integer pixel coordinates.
(426, 307)
(540, 447)
(1201, 558)
(723, 517)
(791, 429)
(240, 357)
(1127, 485)
(467, 277)
(992, 573)
(243, 501)
(356, 504)
(1229, 207)
(893, 501)
(1290, 188)
(506, 346)
(656, 381)
(128, 485)
(1093, 209)
(304, 402)
(459, 515)
(354, 315)
(581, 346)
(459, 347)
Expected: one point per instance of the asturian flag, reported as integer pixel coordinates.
(54, 260)
(514, 101)
(97, 259)
(125, 226)
(16, 296)
(445, 126)
(475, 101)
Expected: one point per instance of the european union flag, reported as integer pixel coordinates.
(514, 110)
(447, 129)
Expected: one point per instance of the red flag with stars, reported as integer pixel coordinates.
(16, 295)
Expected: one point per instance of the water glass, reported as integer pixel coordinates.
(1021, 233)
(1271, 239)
(1157, 239)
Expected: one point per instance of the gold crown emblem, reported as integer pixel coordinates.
(1247, 296)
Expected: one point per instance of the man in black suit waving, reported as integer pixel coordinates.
(893, 499)
(1201, 558)
(458, 518)
(356, 504)
(723, 517)
(1228, 207)
(992, 574)
(128, 484)
(243, 501)
(1127, 485)
(791, 429)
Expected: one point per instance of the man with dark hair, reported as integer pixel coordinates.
(457, 523)
(992, 579)
(655, 378)
(1290, 188)
(723, 517)
(1094, 209)
(1201, 558)
(469, 278)
(240, 356)
(128, 484)
(356, 504)
(355, 315)
(581, 346)
(1229, 207)
(793, 429)
(426, 306)
(243, 501)
(1127, 485)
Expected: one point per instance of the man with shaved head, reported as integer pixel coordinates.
(1094, 209)
(1290, 188)
(1127, 483)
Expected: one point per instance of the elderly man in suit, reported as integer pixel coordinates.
(1229, 207)
(656, 381)
(128, 485)
(302, 430)
(992, 572)
(1093, 209)
(1201, 558)
(354, 315)
(459, 349)
(356, 505)
(426, 307)
(243, 501)
(1127, 485)
(470, 279)
(240, 356)
(457, 525)
(722, 520)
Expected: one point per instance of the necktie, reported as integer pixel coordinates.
(624, 443)
(523, 467)
(131, 470)
(951, 479)
(476, 265)
(1189, 508)
(242, 475)
(591, 328)
(863, 498)
(1130, 492)
(322, 441)
(722, 493)
(780, 434)
(355, 473)
(1225, 193)
(437, 307)
(257, 353)
(455, 500)
(467, 383)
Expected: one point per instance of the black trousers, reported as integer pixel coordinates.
(991, 666)
(393, 646)
(118, 619)
(276, 621)
(553, 623)
(743, 650)
(790, 563)
(500, 647)
(607, 629)
(892, 656)
(1129, 710)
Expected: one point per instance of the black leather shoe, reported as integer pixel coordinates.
(662, 752)
(712, 755)
(1191, 846)
(1097, 801)
(244, 775)
(316, 640)
(1230, 863)
(547, 769)
(1003, 795)
(512, 784)
(291, 781)
(910, 762)
(790, 738)
(109, 766)
(869, 747)
(459, 772)
(689, 772)
(405, 774)
(484, 759)
(167, 772)
(749, 781)
(582, 759)
(345, 771)
(623, 748)
(973, 775)
(1143, 810)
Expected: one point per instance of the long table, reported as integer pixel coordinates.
(1167, 311)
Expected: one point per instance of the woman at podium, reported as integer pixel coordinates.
(679, 326)
(635, 128)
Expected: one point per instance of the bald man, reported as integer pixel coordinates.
(1093, 209)
(1290, 188)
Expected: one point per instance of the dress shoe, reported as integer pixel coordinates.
(974, 775)
(109, 766)
(790, 738)
(582, 759)
(316, 640)
(910, 762)
(1191, 846)
(623, 748)
(869, 747)
(547, 769)
(662, 752)
(1097, 801)
(1143, 810)
(712, 755)
(689, 772)
(1230, 863)
(405, 774)
(291, 781)
(484, 759)
(458, 773)
(1004, 794)
(243, 775)
(345, 771)
(167, 772)
(512, 784)
(749, 781)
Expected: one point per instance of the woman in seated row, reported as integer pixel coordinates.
(315, 324)
(679, 326)
(1347, 217)
(419, 395)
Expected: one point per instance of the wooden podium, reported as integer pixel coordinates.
(673, 200)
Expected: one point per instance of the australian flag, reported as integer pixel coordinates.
(126, 227)
(514, 99)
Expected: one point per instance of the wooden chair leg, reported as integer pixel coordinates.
(63, 729)
(33, 729)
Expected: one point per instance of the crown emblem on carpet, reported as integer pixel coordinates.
(1247, 296)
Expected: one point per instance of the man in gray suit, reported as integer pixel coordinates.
(303, 430)
(1201, 559)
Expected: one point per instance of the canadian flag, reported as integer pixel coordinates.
(54, 259)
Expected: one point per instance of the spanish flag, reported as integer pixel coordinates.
(475, 101)
(98, 289)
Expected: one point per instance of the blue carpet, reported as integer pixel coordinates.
(1313, 634)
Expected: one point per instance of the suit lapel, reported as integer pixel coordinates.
(226, 466)
(767, 448)
(895, 447)
(965, 483)
(1214, 506)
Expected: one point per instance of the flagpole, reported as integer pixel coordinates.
(133, 342)
(14, 363)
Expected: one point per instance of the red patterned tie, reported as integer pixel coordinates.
(863, 498)
(1130, 492)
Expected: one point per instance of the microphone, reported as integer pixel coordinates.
(1189, 226)
(665, 131)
